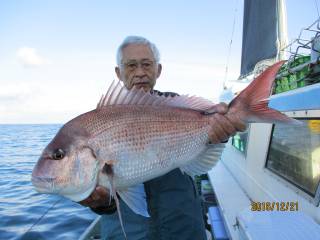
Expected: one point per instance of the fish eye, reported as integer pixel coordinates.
(58, 154)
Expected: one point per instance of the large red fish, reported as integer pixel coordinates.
(134, 136)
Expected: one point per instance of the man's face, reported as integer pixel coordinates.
(138, 67)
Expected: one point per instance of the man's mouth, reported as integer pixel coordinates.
(141, 84)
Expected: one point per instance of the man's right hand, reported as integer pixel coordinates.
(97, 199)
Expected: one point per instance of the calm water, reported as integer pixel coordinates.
(20, 205)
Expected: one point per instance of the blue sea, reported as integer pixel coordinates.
(21, 207)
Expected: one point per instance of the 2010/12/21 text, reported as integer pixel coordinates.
(274, 206)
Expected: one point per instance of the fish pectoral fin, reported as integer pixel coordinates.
(103, 155)
(135, 198)
(207, 160)
(108, 169)
(106, 160)
(109, 172)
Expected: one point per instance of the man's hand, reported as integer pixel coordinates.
(98, 198)
(223, 127)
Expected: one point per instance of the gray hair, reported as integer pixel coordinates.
(137, 40)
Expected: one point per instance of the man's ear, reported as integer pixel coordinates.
(159, 70)
(117, 70)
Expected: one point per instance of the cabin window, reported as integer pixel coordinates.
(294, 154)
(239, 141)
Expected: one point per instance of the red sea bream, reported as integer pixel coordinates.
(133, 136)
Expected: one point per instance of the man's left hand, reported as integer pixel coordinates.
(221, 126)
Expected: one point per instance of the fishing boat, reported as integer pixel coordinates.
(267, 183)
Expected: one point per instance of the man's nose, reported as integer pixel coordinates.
(139, 71)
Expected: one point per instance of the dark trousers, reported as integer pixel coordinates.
(175, 211)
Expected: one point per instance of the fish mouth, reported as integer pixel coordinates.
(48, 185)
(42, 179)
(44, 184)
(39, 181)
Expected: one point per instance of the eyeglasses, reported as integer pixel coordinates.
(133, 65)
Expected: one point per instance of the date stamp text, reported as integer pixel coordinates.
(274, 206)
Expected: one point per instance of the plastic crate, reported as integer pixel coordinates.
(295, 80)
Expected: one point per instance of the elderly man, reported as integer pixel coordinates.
(173, 203)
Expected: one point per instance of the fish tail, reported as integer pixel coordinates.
(251, 105)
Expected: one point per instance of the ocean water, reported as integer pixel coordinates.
(21, 207)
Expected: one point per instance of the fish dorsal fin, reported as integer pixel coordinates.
(118, 94)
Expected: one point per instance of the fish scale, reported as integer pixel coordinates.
(130, 130)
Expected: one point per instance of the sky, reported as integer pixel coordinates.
(57, 57)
